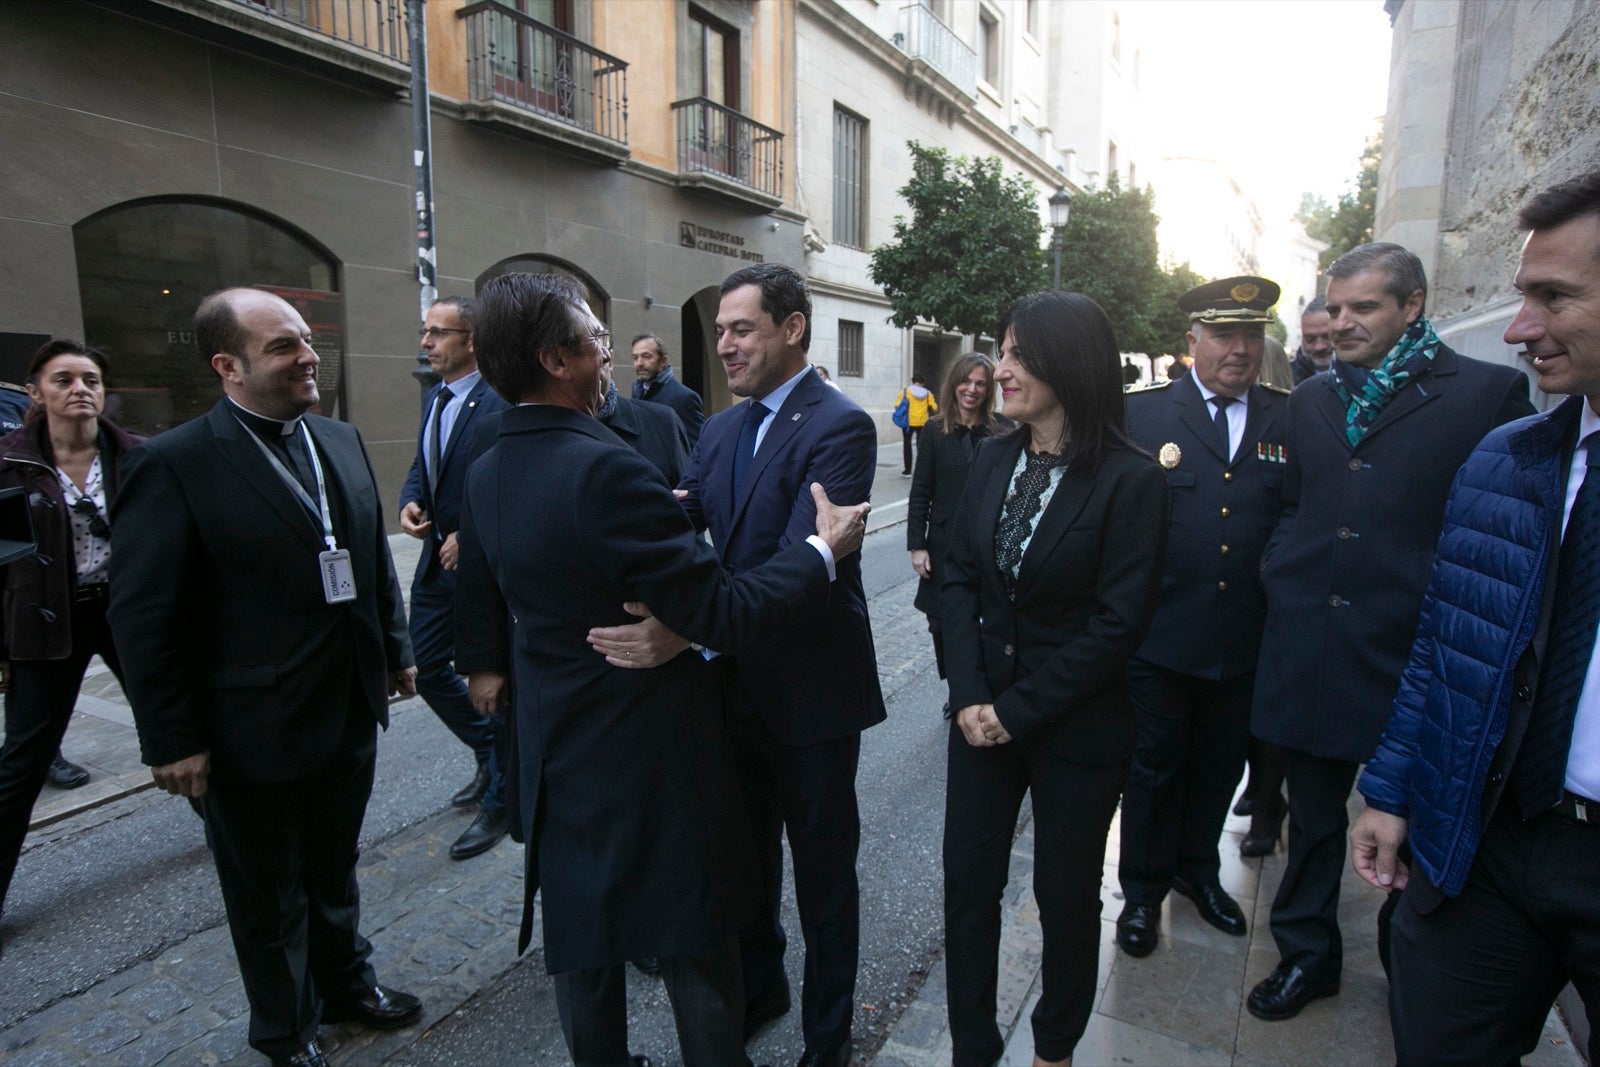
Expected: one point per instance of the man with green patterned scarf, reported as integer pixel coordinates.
(1373, 447)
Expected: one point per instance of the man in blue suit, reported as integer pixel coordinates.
(430, 509)
(807, 689)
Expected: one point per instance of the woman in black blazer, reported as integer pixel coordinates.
(1049, 586)
(944, 455)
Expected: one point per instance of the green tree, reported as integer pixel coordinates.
(1168, 322)
(1109, 254)
(1349, 222)
(970, 248)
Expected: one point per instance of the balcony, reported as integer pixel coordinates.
(529, 77)
(360, 42)
(940, 61)
(727, 155)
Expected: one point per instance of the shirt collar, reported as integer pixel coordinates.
(263, 425)
(464, 384)
(1588, 421)
(774, 400)
(1207, 394)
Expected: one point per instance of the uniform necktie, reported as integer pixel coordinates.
(1221, 420)
(1541, 763)
(754, 416)
(435, 445)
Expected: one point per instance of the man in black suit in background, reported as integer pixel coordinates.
(659, 385)
(257, 601)
(1219, 436)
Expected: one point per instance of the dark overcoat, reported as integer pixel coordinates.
(943, 460)
(1220, 513)
(1349, 560)
(636, 835)
(1053, 661)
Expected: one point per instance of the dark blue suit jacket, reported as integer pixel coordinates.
(681, 399)
(1220, 514)
(815, 679)
(443, 504)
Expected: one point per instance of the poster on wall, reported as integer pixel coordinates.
(324, 313)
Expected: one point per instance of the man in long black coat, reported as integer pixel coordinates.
(1373, 447)
(255, 687)
(636, 836)
(1219, 435)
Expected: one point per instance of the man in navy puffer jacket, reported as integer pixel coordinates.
(1490, 763)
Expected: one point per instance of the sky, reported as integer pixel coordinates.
(1286, 91)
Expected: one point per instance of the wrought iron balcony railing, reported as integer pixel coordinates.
(717, 140)
(377, 26)
(922, 36)
(518, 60)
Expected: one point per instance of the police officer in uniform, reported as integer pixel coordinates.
(1220, 436)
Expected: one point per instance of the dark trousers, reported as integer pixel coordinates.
(808, 791)
(707, 998)
(433, 642)
(1072, 809)
(286, 859)
(908, 435)
(39, 704)
(1474, 977)
(1193, 733)
(1265, 786)
(936, 631)
(1305, 913)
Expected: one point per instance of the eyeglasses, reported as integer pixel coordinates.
(437, 332)
(97, 524)
(602, 339)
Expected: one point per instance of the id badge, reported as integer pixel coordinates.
(338, 577)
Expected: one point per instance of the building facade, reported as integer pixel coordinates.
(1488, 104)
(164, 148)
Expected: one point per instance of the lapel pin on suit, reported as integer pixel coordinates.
(795, 417)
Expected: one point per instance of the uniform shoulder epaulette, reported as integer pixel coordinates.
(1275, 388)
(1147, 387)
(14, 387)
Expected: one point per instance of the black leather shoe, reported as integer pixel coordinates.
(1136, 929)
(1267, 842)
(836, 1058)
(649, 966)
(1214, 906)
(1281, 994)
(64, 775)
(380, 1008)
(639, 1061)
(773, 1006)
(1245, 805)
(309, 1055)
(484, 833)
(473, 791)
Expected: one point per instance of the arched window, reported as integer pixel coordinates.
(143, 268)
(593, 295)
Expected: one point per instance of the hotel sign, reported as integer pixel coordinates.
(718, 242)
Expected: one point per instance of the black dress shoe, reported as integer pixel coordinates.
(379, 1008)
(1214, 906)
(648, 965)
(1136, 929)
(484, 833)
(1289, 988)
(759, 1013)
(639, 1061)
(836, 1058)
(65, 775)
(1246, 805)
(1266, 843)
(309, 1055)
(473, 791)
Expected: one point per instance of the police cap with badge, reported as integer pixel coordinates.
(1243, 299)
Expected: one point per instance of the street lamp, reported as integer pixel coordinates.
(1060, 207)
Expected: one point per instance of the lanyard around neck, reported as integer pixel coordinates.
(321, 505)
